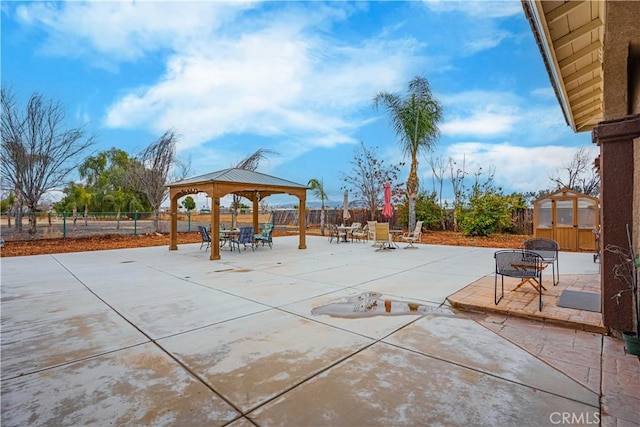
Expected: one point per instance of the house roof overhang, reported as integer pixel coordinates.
(570, 36)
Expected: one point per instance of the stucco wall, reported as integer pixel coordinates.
(636, 195)
(621, 44)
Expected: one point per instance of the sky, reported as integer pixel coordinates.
(297, 78)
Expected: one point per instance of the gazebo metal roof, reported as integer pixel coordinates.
(240, 176)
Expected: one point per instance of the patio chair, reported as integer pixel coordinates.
(265, 235)
(413, 236)
(336, 233)
(206, 238)
(362, 234)
(244, 237)
(371, 225)
(548, 250)
(383, 237)
(524, 265)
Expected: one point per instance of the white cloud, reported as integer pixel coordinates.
(269, 81)
(517, 168)
(114, 31)
(227, 72)
(484, 9)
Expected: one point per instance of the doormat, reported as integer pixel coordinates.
(587, 301)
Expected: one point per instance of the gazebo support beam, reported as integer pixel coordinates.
(173, 244)
(302, 220)
(215, 228)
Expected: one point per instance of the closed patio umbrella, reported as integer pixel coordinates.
(387, 210)
(345, 211)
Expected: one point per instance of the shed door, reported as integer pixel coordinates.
(565, 223)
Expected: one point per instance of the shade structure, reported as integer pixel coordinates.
(345, 210)
(387, 210)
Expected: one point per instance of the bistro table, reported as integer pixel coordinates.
(534, 268)
(226, 235)
(346, 229)
(394, 236)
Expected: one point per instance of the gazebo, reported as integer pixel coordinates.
(251, 185)
(567, 217)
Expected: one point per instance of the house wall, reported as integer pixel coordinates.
(621, 59)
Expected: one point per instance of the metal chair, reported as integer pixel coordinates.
(265, 235)
(524, 265)
(548, 250)
(245, 236)
(206, 238)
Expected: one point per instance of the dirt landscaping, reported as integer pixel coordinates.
(114, 241)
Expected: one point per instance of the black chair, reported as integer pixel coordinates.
(548, 250)
(244, 237)
(206, 238)
(524, 265)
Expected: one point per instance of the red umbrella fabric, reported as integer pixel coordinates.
(387, 210)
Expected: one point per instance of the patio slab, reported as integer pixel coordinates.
(151, 336)
(133, 386)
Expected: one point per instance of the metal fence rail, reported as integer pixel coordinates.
(66, 225)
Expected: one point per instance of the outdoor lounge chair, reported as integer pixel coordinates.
(206, 238)
(244, 237)
(548, 250)
(265, 235)
(383, 237)
(361, 234)
(413, 236)
(371, 225)
(524, 265)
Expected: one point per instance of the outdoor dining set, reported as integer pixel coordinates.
(234, 237)
(527, 265)
(379, 232)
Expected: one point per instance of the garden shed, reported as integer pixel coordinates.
(568, 217)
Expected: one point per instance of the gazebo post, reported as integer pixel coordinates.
(256, 223)
(173, 238)
(302, 220)
(215, 228)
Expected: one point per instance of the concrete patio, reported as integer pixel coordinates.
(156, 337)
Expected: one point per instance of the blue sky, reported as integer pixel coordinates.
(297, 78)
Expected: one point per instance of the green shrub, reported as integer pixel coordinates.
(486, 212)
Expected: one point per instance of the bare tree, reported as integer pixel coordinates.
(438, 169)
(154, 167)
(457, 182)
(37, 151)
(367, 178)
(578, 175)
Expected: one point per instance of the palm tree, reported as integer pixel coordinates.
(415, 119)
(317, 187)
